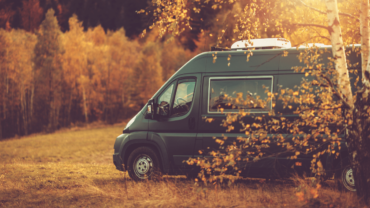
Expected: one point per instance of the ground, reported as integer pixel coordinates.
(74, 168)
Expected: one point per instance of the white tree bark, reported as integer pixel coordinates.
(85, 105)
(365, 45)
(339, 51)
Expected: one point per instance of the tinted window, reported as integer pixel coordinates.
(232, 94)
(183, 97)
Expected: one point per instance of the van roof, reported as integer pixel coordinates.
(238, 59)
(272, 60)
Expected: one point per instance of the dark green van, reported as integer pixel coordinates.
(171, 127)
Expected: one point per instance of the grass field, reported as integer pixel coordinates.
(74, 168)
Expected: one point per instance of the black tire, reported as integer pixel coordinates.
(191, 175)
(143, 164)
(346, 178)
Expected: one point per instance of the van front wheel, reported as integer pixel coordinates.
(143, 164)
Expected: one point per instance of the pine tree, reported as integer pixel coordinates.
(48, 72)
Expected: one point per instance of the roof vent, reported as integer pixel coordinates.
(265, 43)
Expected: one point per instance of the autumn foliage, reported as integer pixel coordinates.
(51, 79)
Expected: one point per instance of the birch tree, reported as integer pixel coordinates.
(75, 65)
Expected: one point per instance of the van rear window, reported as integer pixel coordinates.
(231, 94)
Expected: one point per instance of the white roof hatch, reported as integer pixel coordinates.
(264, 43)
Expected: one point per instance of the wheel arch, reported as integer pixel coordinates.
(136, 143)
(333, 163)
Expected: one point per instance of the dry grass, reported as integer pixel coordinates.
(74, 169)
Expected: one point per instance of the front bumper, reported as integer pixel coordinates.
(118, 162)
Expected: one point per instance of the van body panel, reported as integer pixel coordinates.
(179, 147)
(240, 63)
(162, 147)
(128, 139)
(139, 122)
(179, 132)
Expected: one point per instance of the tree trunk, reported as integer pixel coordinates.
(24, 109)
(18, 120)
(51, 116)
(5, 95)
(359, 144)
(365, 44)
(32, 95)
(85, 106)
(1, 128)
(106, 107)
(339, 52)
(69, 109)
(50, 101)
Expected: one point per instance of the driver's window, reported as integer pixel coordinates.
(164, 101)
(183, 97)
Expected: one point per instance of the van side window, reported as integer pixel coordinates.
(231, 94)
(164, 101)
(183, 97)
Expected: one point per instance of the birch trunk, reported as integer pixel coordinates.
(69, 109)
(32, 96)
(339, 52)
(365, 44)
(5, 95)
(85, 106)
(23, 108)
(51, 116)
(1, 129)
(359, 142)
(107, 98)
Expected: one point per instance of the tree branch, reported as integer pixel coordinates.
(345, 104)
(317, 36)
(312, 25)
(322, 12)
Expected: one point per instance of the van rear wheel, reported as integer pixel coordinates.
(346, 178)
(143, 164)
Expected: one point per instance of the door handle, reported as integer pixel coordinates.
(191, 123)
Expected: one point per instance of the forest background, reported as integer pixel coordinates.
(84, 61)
(70, 62)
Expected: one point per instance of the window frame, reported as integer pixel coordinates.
(237, 77)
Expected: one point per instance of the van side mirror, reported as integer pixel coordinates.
(150, 113)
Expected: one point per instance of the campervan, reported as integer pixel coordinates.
(171, 127)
